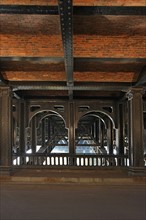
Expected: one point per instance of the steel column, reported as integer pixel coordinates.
(33, 134)
(22, 126)
(110, 137)
(136, 127)
(43, 133)
(5, 129)
(121, 130)
(71, 131)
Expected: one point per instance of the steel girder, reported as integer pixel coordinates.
(77, 10)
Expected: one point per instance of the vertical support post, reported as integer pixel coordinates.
(121, 130)
(136, 131)
(33, 135)
(71, 131)
(110, 137)
(43, 132)
(5, 130)
(22, 125)
(97, 131)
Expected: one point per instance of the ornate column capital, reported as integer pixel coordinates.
(5, 91)
(134, 91)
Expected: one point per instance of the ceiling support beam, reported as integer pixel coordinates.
(76, 59)
(105, 87)
(29, 9)
(33, 59)
(109, 60)
(110, 10)
(77, 10)
(66, 21)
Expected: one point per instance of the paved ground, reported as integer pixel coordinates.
(72, 202)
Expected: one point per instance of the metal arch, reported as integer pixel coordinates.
(103, 112)
(66, 21)
(39, 111)
(51, 113)
(97, 116)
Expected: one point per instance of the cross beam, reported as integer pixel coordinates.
(77, 10)
(110, 10)
(98, 87)
(28, 9)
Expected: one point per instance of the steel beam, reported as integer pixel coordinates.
(106, 87)
(32, 59)
(66, 17)
(110, 10)
(75, 59)
(28, 9)
(77, 10)
(109, 60)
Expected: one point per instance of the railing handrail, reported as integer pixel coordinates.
(69, 155)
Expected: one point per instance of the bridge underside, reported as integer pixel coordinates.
(72, 85)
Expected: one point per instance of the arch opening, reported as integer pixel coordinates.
(95, 134)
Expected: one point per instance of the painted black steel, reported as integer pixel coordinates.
(76, 59)
(110, 10)
(77, 10)
(28, 9)
(110, 59)
(33, 59)
(106, 87)
(66, 21)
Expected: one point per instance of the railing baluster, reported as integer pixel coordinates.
(70, 160)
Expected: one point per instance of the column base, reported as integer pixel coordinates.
(5, 170)
(137, 171)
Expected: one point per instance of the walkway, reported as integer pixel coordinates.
(72, 202)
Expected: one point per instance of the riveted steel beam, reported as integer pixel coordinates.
(77, 10)
(76, 59)
(66, 21)
(105, 87)
(28, 9)
(110, 10)
(109, 60)
(33, 59)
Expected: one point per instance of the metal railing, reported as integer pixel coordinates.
(69, 160)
